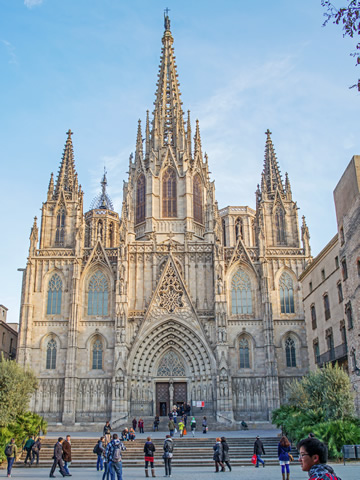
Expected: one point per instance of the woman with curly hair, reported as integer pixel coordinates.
(284, 449)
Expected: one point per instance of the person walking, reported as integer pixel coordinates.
(284, 449)
(100, 449)
(171, 426)
(217, 456)
(193, 426)
(204, 425)
(181, 427)
(149, 449)
(11, 454)
(156, 422)
(168, 454)
(58, 453)
(134, 424)
(28, 449)
(36, 451)
(225, 454)
(258, 451)
(113, 455)
(107, 432)
(141, 425)
(66, 446)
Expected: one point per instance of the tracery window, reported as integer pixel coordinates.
(197, 199)
(97, 354)
(171, 366)
(239, 229)
(280, 226)
(241, 298)
(290, 352)
(140, 199)
(51, 355)
(286, 293)
(54, 295)
(98, 295)
(244, 353)
(169, 193)
(60, 228)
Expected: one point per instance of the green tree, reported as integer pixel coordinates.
(349, 18)
(16, 388)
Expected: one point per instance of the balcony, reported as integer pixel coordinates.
(334, 355)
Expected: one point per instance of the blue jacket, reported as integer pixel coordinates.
(283, 453)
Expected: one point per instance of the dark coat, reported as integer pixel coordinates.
(259, 447)
(218, 452)
(66, 446)
(225, 451)
(283, 453)
(149, 449)
(58, 451)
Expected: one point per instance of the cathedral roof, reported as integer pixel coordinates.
(102, 200)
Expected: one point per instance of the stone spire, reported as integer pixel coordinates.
(147, 139)
(168, 123)
(102, 200)
(288, 187)
(271, 173)
(139, 145)
(188, 134)
(197, 141)
(51, 187)
(66, 176)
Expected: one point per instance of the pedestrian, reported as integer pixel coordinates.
(181, 427)
(132, 435)
(107, 431)
(36, 451)
(193, 426)
(184, 419)
(11, 454)
(175, 414)
(106, 474)
(168, 454)
(171, 426)
(134, 424)
(258, 451)
(113, 455)
(313, 457)
(156, 422)
(225, 454)
(125, 435)
(204, 425)
(66, 446)
(28, 449)
(149, 449)
(284, 449)
(100, 448)
(141, 425)
(58, 452)
(217, 456)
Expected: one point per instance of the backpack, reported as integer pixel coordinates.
(96, 449)
(117, 454)
(169, 446)
(8, 450)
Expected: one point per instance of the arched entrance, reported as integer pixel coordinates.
(171, 383)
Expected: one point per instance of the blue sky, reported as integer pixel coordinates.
(91, 65)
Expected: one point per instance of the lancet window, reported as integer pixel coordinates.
(140, 199)
(169, 207)
(60, 228)
(97, 354)
(244, 353)
(51, 355)
(198, 199)
(286, 287)
(280, 226)
(241, 297)
(98, 295)
(54, 295)
(290, 352)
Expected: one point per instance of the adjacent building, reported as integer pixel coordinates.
(8, 336)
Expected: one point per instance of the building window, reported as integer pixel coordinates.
(241, 297)
(97, 355)
(51, 355)
(244, 352)
(169, 193)
(340, 292)
(330, 343)
(3, 338)
(313, 316)
(342, 236)
(348, 313)
(358, 266)
(98, 295)
(344, 269)
(286, 293)
(316, 350)
(327, 307)
(353, 357)
(310, 287)
(54, 295)
(280, 226)
(239, 229)
(197, 199)
(60, 228)
(343, 332)
(336, 262)
(140, 199)
(323, 274)
(290, 352)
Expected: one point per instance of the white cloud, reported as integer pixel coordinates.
(11, 52)
(32, 3)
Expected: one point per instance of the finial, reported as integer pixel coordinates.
(268, 133)
(166, 19)
(69, 133)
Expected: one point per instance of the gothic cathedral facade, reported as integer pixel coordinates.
(175, 300)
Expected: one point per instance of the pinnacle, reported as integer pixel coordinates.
(66, 176)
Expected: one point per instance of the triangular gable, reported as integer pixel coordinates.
(61, 201)
(241, 254)
(278, 200)
(169, 160)
(98, 255)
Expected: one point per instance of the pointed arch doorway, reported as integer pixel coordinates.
(171, 383)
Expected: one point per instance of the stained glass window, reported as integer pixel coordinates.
(60, 228)
(290, 352)
(97, 355)
(98, 295)
(171, 366)
(244, 353)
(280, 226)
(51, 355)
(198, 199)
(169, 193)
(286, 293)
(241, 298)
(54, 295)
(140, 199)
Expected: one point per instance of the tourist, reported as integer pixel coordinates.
(66, 446)
(58, 453)
(141, 425)
(125, 435)
(106, 473)
(28, 448)
(11, 454)
(113, 455)
(134, 424)
(132, 435)
(217, 456)
(107, 432)
(175, 414)
(171, 426)
(313, 457)
(181, 427)
(284, 449)
(156, 422)
(225, 454)
(36, 451)
(184, 418)
(258, 451)
(193, 426)
(149, 449)
(204, 425)
(100, 448)
(168, 454)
